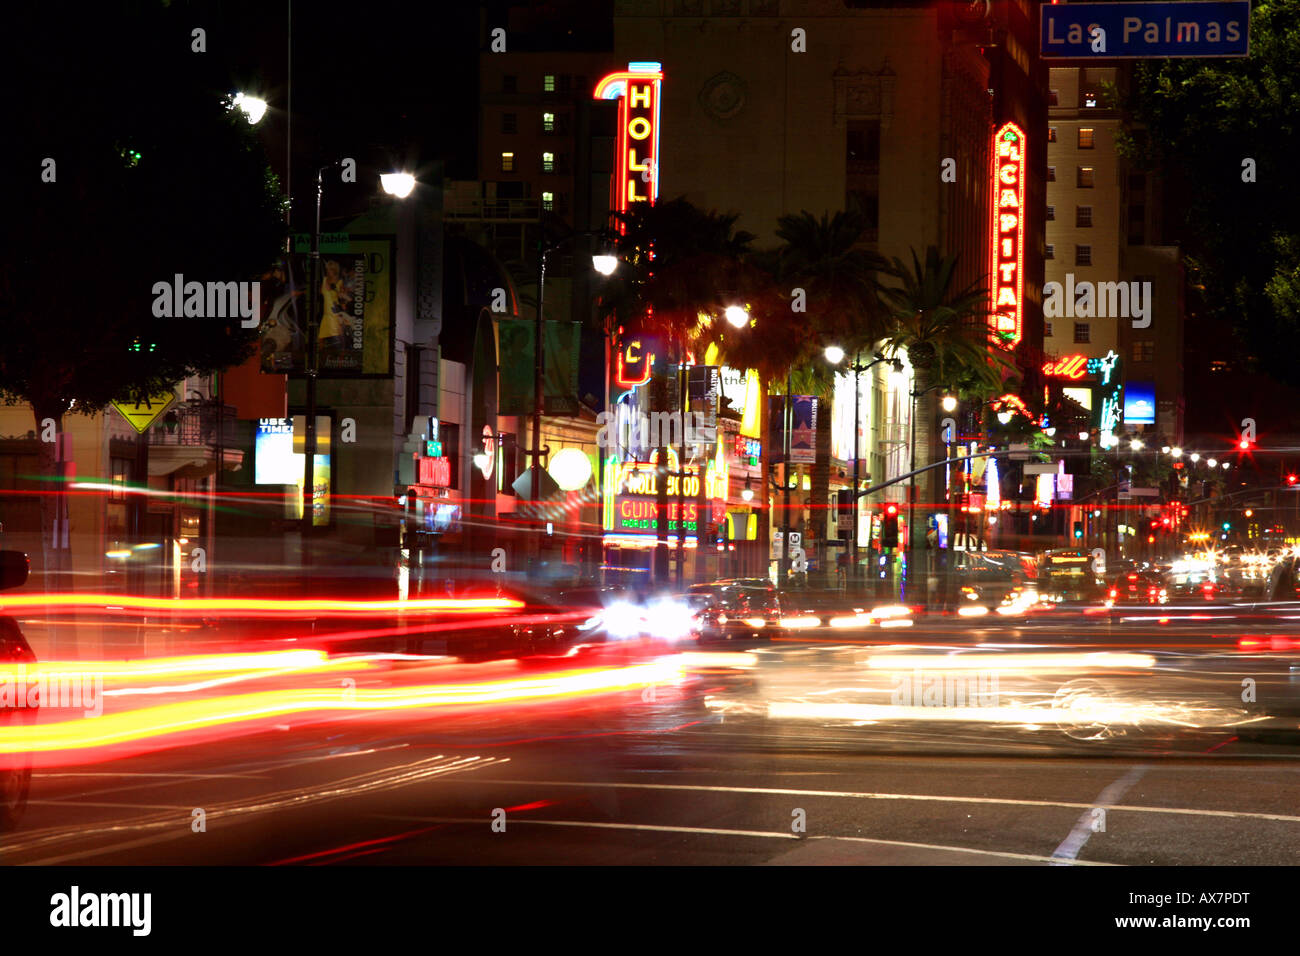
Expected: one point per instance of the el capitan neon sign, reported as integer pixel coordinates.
(1008, 232)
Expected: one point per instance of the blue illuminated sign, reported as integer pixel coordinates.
(1117, 31)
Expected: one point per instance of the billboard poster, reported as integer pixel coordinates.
(561, 344)
(803, 430)
(355, 303)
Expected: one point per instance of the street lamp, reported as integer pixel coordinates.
(315, 314)
(737, 315)
(397, 184)
(253, 107)
(1136, 444)
(604, 264)
(834, 354)
(1176, 452)
(949, 403)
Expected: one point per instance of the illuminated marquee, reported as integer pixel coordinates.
(434, 471)
(636, 164)
(1008, 232)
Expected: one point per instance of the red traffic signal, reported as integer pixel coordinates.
(1244, 444)
(1292, 479)
(891, 510)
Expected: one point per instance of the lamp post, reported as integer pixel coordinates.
(395, 184)
(835, 355)
(603, 263)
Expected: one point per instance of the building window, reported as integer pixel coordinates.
(1144, 351)
(1047, 330)
(1083, 255)
(548, 204)
(548, 83)
(1051, 176)
(1051, 217)
(1089, 100)
(1052, 98)
(1085, 178)
(548, 164)
(1083, 216)
(1082, 333)
(1049, 251)
(507, 162)
(509, 122)
(1085, 139)
(509, 84)
(1051, 134)
(548, 126)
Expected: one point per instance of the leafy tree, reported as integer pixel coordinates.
(1197, 122)
(839, 279)
(126, 168)
(949, 344)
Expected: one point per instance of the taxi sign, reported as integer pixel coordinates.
(144, 410)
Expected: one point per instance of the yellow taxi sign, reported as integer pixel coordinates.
(144, 410)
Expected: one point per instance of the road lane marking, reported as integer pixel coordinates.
(1077, 839)
(758, 834)
(938, 798)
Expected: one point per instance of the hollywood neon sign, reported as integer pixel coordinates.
(1008, 232)
(636, 164)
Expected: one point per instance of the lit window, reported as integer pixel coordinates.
(548, 201)
(1052, 98)
(1082, 333)
(1051, 252)
(548, 162)
(1083, 216)
(548, 83)
(1051, 134)
(1089, 100)
(1083, 255)
(548, 122)
(1085, 139)
(507, 162)
(1085, 177)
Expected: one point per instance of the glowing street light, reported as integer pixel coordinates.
(949, 403)
(604, 264)
(253, 108)
(1195, 456)
(1212, 462)
(834, 354)
(1176, 452)
(737, 315)
(397, 184)
(1137, 444)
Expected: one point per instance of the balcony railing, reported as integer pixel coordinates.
(196, 425)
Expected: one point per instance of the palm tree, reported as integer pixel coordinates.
(839, 277)
(682, 266)
(949, 343)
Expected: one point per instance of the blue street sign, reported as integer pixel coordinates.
(1121, 31)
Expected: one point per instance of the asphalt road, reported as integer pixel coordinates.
(620, 779)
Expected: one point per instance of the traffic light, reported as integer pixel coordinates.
(1227, 526)
(844, 509)
(889, 527)
(1078, 529)
(1292, 478)
(1244, 444)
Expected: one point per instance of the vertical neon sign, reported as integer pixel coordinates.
(1008, 232)
(636, 164)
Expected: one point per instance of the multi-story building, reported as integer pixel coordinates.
(1105, 254)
